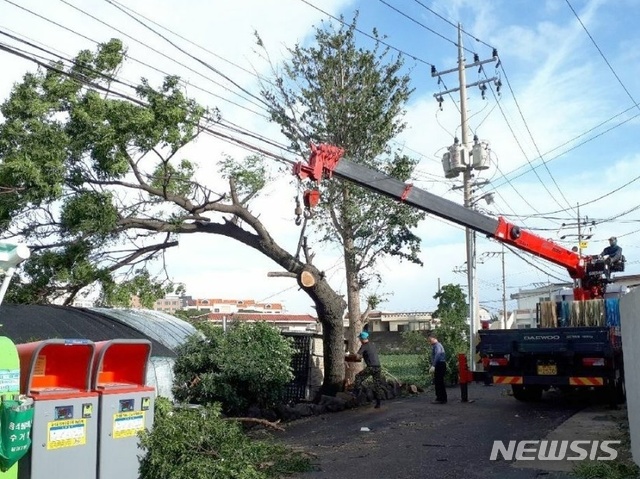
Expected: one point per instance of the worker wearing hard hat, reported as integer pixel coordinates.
(369, 353)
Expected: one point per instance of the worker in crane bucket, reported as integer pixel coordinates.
(612, 254)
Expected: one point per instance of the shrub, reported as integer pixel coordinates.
(249, 365)
(452, 334)
(199, 444)
(415, 342)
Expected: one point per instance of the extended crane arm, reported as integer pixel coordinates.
(326, 161)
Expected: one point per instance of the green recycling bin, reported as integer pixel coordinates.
(16, 412)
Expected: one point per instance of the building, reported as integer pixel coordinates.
(528, 299)
(284, 322)
(169, 304)
(172, 303)
(228, 306)
(395, 321)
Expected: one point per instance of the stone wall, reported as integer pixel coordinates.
(390, 341)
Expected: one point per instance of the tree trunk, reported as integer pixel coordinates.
(330, 308)
(353, 308)
(329, 305)
(355, 316)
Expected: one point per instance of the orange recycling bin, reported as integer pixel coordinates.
(125, 405)
(56, 373)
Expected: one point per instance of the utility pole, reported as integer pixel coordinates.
(491, 254)
(585, 230)
(459, 159)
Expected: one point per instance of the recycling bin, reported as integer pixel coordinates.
(56, 373)
(126, 405)
(16, 412)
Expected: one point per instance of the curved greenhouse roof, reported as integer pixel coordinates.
(164, 328)
(25, 323)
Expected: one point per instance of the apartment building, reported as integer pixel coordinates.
(173, 303)
(169, 304)
(284, 322)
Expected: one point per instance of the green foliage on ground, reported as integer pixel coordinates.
(188, 443)
(607, 470)
(249, 365)
(622, 467)
(406, 368)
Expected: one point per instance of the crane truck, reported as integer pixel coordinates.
(530, 360)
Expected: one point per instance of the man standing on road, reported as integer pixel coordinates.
(438, 369)
(369, 353)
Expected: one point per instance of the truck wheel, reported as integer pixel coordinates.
(526, 393)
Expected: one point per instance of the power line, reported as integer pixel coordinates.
(131, 10)
(229, 125)
(516, 102)
(635, 103)
(225, 137)
(372, 37)
(509, 173)
(218, 134)
(222, 123)
(533, 265)
(540, 155)
(453, 24)
(198, 59)
(495, 96)
(534, 144)
(615, 190)
(121, 7)
(74, 32)
(418, 23)
(164, 55)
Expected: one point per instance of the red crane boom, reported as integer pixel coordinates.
(589, 273)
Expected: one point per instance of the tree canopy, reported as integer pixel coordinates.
(453, 331)
(100, 187)
(337, 92)
(452, 302)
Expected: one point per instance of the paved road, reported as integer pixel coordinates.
(411, 438)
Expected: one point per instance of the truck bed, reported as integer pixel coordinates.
(604, 340)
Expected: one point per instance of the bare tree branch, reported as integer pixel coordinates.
(308, 255)
(281, 274)
(142, 251)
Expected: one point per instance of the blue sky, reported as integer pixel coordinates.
(568, 95)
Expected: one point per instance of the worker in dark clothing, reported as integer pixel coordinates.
(369, 353)
(612, 253)
(438, 369)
